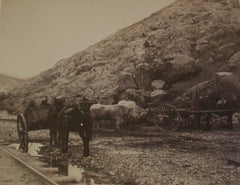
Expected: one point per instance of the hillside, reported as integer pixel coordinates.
(7, 82)
(170, 51)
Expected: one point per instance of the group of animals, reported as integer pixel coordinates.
(65, 116)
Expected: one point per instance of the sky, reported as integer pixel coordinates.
(36, 34)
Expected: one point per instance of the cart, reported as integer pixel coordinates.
(35, 118)
(45, 117)
(168, 117)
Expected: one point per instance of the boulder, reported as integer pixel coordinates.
(228, 67)
(225, 51)
(83, 68)
(110, 97)
(143, 76)
(157, 84)
(221, 74)
(235, 59)
(177, 67)
(228, 85)
(202, 45)
(126, 81)
(158, 93)
(233, 65)
(133, 95)
(180, 45)
(158, 68)
(130, 68)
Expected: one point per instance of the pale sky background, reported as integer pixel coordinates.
(35, 34)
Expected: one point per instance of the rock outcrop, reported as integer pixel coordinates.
(182, 44)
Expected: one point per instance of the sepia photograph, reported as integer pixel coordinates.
(117, 92)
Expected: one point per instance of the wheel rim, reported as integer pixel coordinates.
(19, 127)
(22, 133)
(166, 118)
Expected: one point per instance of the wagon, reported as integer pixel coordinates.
(219, 96)
(169, 117)
(35, 118)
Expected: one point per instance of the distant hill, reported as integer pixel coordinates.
(178, 46)
(7, 82)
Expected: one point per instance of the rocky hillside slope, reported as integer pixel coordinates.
(7, 82)
(170, 51)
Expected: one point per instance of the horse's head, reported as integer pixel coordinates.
(58, 104)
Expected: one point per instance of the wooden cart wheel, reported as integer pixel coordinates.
(22, 130)
(166, 118)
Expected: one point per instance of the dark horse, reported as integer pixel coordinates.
(74, 118)
(54, 112)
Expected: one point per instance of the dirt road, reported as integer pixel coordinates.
(144, 156)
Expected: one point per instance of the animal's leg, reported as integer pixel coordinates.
(64, 130)
(56, 137)
(85, 145)
(86, 148)
(198, 117)
(59, 138)
(229, 120)
(191, 121)
(96, 124)
(208, 125)
(85, 139)
(186, 120)
(117, 124)
(65, 141)
(89, 130)
(51, 136)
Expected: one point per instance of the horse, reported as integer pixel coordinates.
(53, 118)
(73, 118)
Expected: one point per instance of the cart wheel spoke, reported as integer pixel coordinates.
(166, 117)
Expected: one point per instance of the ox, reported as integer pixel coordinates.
(117, 113)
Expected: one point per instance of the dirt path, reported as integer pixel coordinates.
(143, 156)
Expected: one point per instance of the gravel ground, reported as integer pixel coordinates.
(144, 156)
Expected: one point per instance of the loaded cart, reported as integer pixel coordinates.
(35, 118)
(168, 117)
(47, 117)
(205, 102)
